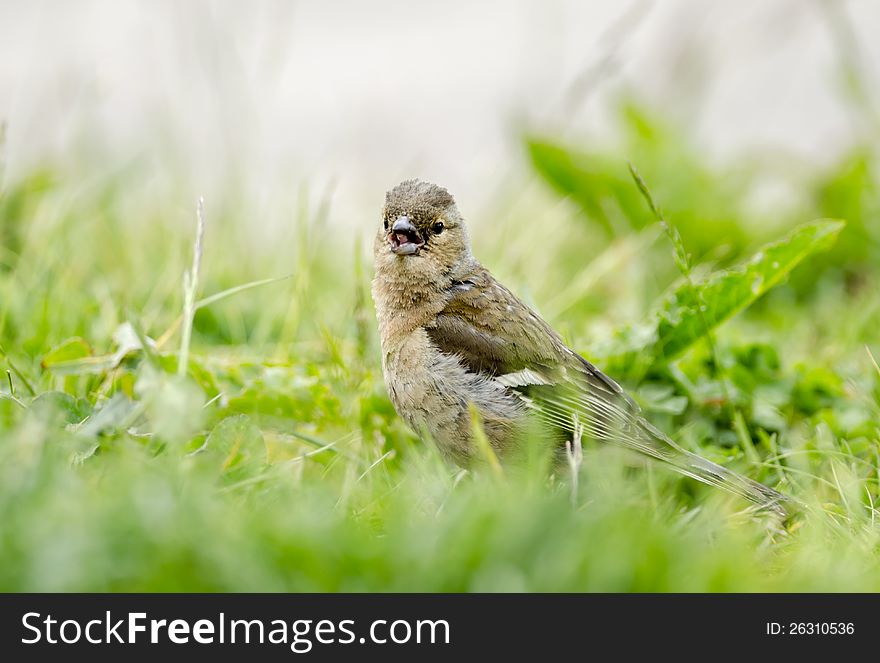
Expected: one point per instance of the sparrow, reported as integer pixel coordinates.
(454, 340)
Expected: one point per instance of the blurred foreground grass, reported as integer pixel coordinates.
(277, 462)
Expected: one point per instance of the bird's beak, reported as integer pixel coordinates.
(404, 237)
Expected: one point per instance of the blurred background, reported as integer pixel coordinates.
(356, 96)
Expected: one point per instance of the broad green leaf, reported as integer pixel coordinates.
(661, 398)
(588, 179)
(82, 365)
(74, 357)
(70, 350)
(694, 196)
(693, 309)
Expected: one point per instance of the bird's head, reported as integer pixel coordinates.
(421, 232)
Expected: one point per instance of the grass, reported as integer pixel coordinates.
(236, 435)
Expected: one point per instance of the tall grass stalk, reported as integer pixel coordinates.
(190, 287)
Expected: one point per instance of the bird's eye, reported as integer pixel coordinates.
(438, 228)
(386, 224)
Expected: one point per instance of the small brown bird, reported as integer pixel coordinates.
(453, 338)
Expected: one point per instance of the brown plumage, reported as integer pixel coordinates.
(454, 338)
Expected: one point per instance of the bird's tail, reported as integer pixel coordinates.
(603, 411)
(654, 443)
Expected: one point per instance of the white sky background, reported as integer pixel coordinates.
(363, 94)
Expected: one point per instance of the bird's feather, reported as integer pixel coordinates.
(528, 358)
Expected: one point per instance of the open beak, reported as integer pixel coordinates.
(404, 237)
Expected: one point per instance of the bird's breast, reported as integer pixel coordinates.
(433, 391)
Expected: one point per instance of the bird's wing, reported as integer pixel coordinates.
(496, 335)
(491, 330)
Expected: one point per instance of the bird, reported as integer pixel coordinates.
(455, 341)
